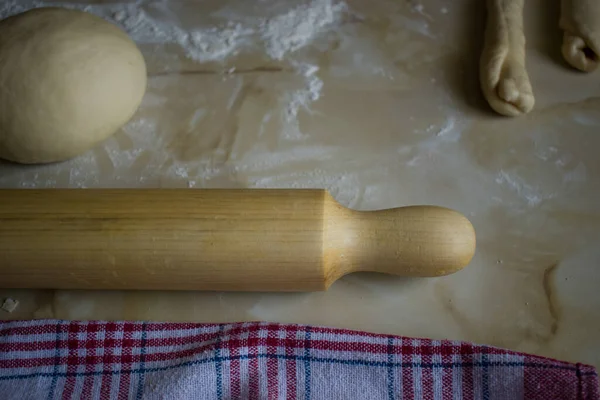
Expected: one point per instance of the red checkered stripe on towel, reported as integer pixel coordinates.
(121, 360)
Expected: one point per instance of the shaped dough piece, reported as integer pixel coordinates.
(580, 21)
(503, 77)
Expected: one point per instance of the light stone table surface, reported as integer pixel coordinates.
(381, 106)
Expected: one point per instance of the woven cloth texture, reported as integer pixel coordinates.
(53, 359)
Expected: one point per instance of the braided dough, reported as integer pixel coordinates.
(580, 21)
(503, 77)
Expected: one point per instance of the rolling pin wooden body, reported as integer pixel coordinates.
(250, 240)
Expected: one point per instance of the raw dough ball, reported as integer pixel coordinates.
(68, 81)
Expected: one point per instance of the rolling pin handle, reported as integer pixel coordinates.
(423, 241)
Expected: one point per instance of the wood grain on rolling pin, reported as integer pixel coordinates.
(271, 240)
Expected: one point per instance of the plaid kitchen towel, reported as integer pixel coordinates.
(144, 360)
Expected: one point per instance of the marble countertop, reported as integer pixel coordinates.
(381, 106)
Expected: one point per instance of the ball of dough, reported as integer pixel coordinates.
(68, 81)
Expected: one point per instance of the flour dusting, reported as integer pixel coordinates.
(202, 45)
(298, 27)
(531, 194)
(301, 99)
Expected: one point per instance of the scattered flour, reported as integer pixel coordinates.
(202, 45)
(298, 27)
(296, 100)
(435, 141)
(265, 161)
(532, 195)
(281, 35)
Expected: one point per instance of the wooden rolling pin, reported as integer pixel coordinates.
(267, 240)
